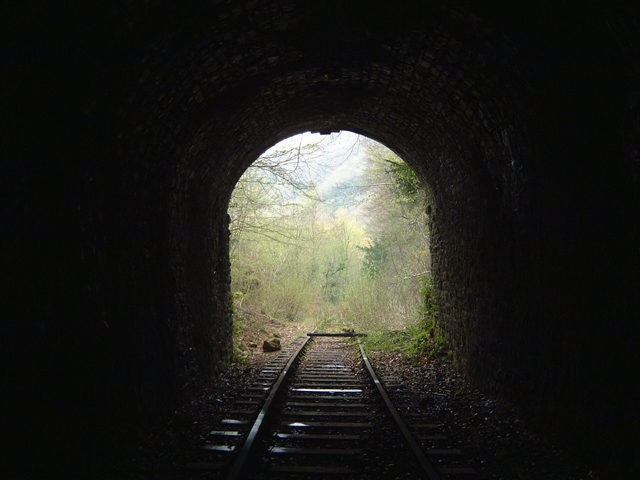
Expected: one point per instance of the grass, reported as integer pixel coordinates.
(415, 342)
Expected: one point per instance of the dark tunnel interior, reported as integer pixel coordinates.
(129, 124)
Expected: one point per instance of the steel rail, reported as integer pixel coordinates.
(342, 334)
(240, 461)
(431, 472)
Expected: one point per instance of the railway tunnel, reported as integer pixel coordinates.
(130, 126)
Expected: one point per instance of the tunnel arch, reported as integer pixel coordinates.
(523, 119)
(457, 99)
(445, 158)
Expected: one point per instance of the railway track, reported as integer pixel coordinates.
(318, 410)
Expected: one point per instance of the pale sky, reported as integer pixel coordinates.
(341, 159)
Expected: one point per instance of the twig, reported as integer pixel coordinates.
(426, 272)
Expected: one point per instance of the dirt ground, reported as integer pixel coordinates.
(498, 441)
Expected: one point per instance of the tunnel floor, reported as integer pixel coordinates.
(494, 437)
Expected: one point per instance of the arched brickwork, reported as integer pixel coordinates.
(523, 126)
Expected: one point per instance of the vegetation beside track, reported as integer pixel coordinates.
(349, 254)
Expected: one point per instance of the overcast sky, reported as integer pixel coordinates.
(341, 159)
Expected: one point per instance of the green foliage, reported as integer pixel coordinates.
(419, 335)
(429, 299)
(240, 324)
(406, 186)
(331, 285)
(406, 181)
(291, 281)
(386, 340)
(416, 341)
(375, 256)
(294, 257)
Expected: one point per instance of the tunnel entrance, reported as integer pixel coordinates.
(524, 120)
(328, 232)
